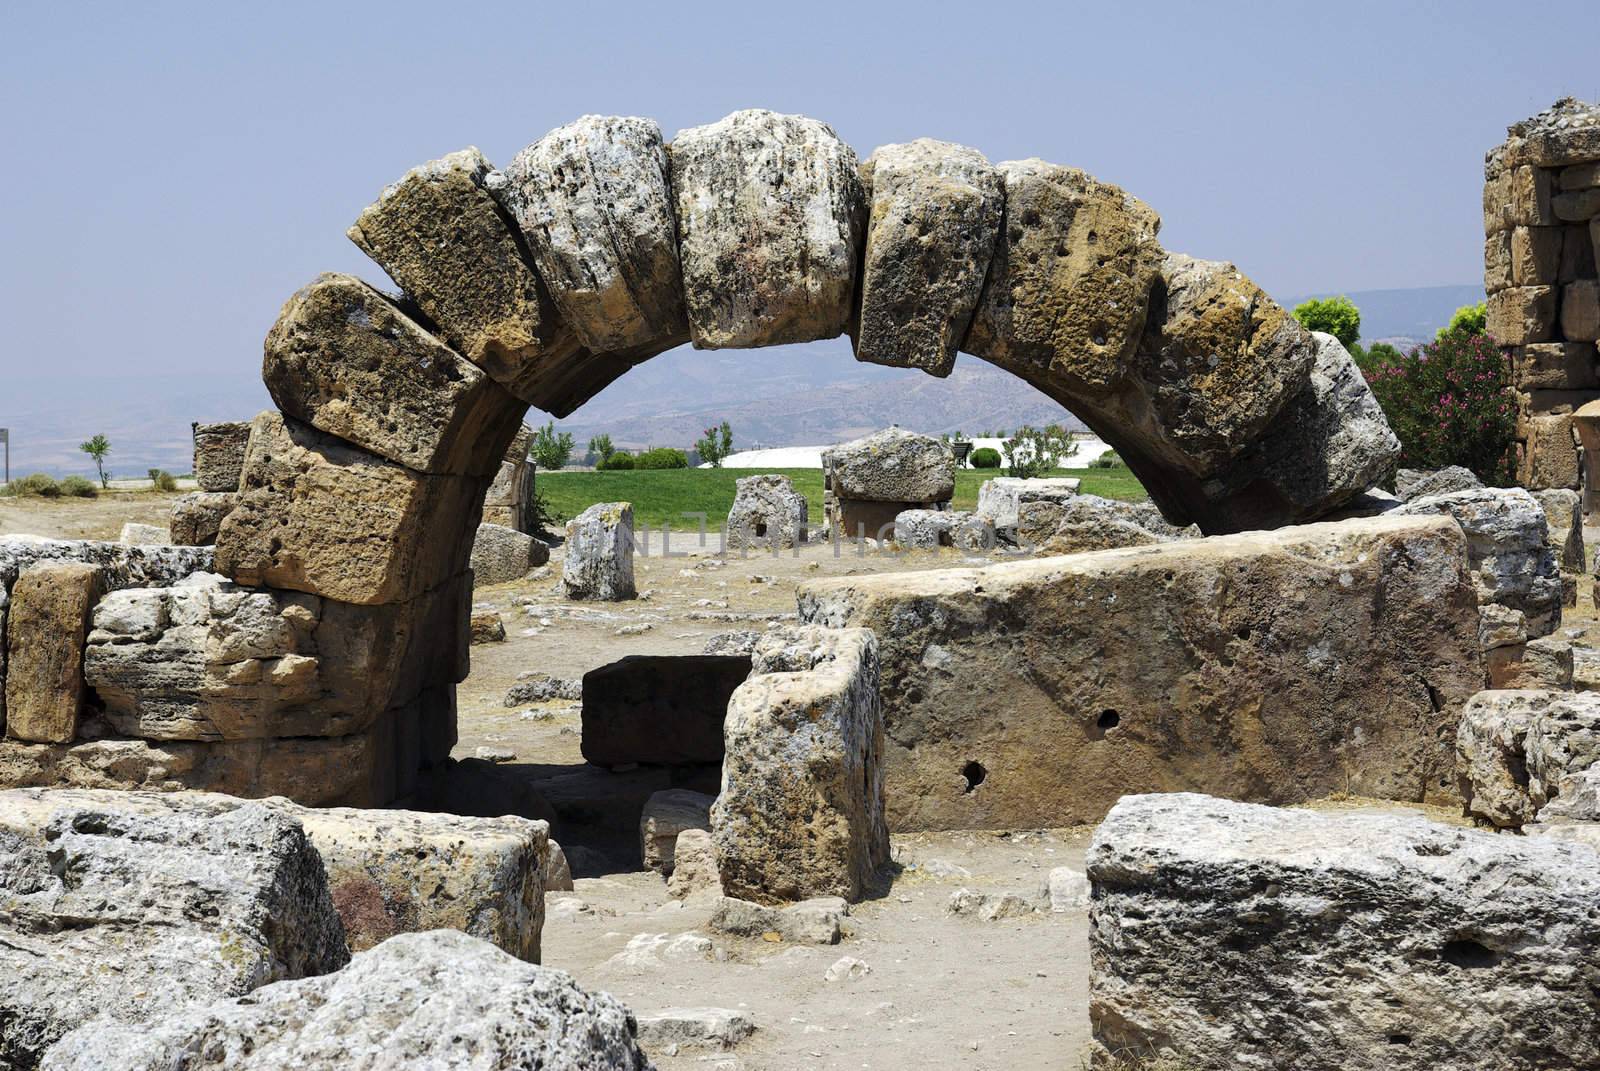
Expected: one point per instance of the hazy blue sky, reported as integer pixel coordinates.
(174, 171)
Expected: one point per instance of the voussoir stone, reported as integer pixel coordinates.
(769, 212)
(348, 361)
(315, 514)
(440, 1000)
(440, 233)
(1227, 935)
(1069, 285)
(109, 910)
(592, 201)
(801, 811)
(934, 215)
(1338, 661)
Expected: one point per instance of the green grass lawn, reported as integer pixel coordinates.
(661, 496)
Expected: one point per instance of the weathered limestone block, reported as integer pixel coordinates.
(129, 916)
(801, 812)
(1532, 190)
(598, 562)
(1497, 274)
(1001, 499)
(769, 213)
(934, 217)
(1564, 522)
(666, 814)
(1555, 366)
(135, 534)
(1577, 253)
(1411, 484)
(1535, 256)
(694, 866)
(1069, 284)
(348, 361)
(592, 201)
(767, 512)
(197, 517)
(892, 465)
(487, 626)
(317, 515)
(1567, 132)
(1576, 206)
(441, 235)
(1522, 750)
(665, 709)
(1549, 457)
(48, 619)
(441, 1000)
(1542, 663)
(1339, 656)
(1330, 444)
(219, 454)
(1501, 626)
(1580, 310)
(817, 921)
(929, 529)
(501, 555)
(1508, 549)
(1225, 935)
(1219, 360)
(1519, 315)
(1081, 523)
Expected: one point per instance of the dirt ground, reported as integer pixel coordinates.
(941, 992)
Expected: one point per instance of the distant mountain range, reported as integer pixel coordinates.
(786, 396)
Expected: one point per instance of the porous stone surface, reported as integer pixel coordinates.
(440, 234)
(350, 362)
(694, 866)
(592, 201)
(1000, 499)
(892, 465)
(767, 512)
(929, 529)
(598, 561)
(1338, 661)
(1426, 483)
(1563, 515)
(486, 626)
(695, 1028)
(1077, 523)
(659, 708)
(818, 921)
(934, 216)
(196, 517)
(440, 1000)
(1223, 935)
(769, 213)
(219, 454)
(801, 811)
(1567, 132)
(317, 515)
(47, 621)
(667, 814)
(535, 687)
(108, 911)
(1507, 547)
(1519, 750)
(144, 535)
(501, 555)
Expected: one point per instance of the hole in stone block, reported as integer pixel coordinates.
(1465, 952)
(1399, 1039)
(975, 774)
(1108, 719)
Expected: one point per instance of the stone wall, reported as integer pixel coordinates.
(1541, 219)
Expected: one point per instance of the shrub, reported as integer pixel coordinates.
(1035, 451)
(78, 487)
(600, 447)
(619, 460)
(1451, 402)
(715, 444)
(661, 457)
(1336, 316)
(37, 484)
(163, 480)
(1468, 320)
(551, 449)
(544, 517)
(1107, 460)
(985, 457)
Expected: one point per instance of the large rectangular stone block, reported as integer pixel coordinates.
(1225, 936)
(1577, 254)
(1497, 274)
(315, 514)
(1580, 311)
(1276, 666)
(219, 454)
(1532, 190)
(1555, 366)
(45, 629)
(1522, 314)
(1535, 256)
(1550, 454)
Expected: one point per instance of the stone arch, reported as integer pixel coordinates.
(601, 245)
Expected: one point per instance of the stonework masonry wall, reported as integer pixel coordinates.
(1541, 220)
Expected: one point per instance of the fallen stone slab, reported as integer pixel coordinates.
(667, 814)
(501, 555)
(440, 233)
(1338, 661)
(934, 215)
(48, 619)
(695, 1028)
(196, 518)
(666, 709)
(1411, 484)
(810, 922)
(989, 907)
(1078, 523)
(219, 454)
(592, 200)
(801, 812)
(694, 866)
(108, 911)
(486, 626)
(1520, 749)
(1001, 499)
(769, 214)
(767, 512)
(1225, 935)
(440, 1000)
(929, 529)
(598, 562)
(892, 465)
(144, 535)
(534, 687)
